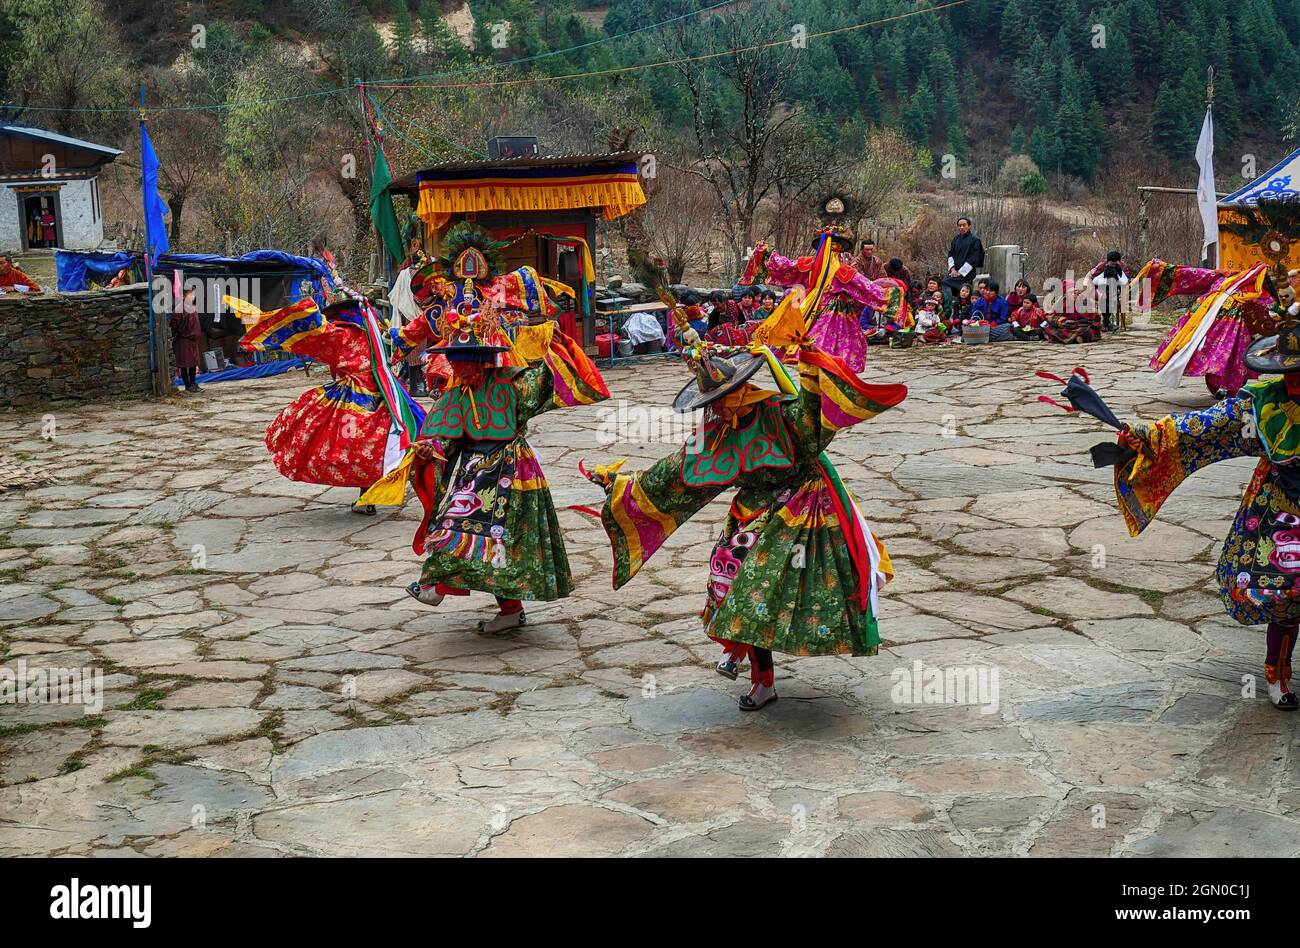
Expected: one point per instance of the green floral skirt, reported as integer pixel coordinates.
(782, 579)
(496, 530)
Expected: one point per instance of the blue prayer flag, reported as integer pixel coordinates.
(154, 208)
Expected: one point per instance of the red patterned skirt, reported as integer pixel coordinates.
(331, 435)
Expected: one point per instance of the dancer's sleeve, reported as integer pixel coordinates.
(1159, 281)
(643, 510)
(832, 397)
(565, 377)
(782, 271)
(299, 329)
(411, 336)
(1179, 445)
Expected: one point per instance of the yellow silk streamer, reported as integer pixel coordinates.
(390, 490)
(1243, 293)
(245, 310)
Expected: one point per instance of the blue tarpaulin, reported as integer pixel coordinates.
(263, 370)
(76, 268)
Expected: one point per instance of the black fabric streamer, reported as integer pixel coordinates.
(1110, 454)
(1084, 398)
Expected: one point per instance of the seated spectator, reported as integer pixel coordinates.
(13, 280)
(766, 306)
(961, 307)
(932, 286)
(992, 308)
(1020, 291)
(942, 303)
(722, 309)
(914, 292)
(896, 271)
(930, 321)
(866, 262)
(695, 315)
(748, 303)
(121, 278)
(644, 332)
(1068, 326)
(1027, 319)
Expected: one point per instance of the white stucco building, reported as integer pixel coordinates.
(49, 190)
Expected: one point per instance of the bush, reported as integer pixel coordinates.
(1032, 183)
(1014, 170)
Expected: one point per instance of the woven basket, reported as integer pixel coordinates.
(975, 335)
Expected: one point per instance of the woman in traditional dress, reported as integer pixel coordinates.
(489, 522)
(795, 569)
(1259, 568)
(346, 433)
(1233, 307)
(1071, 324)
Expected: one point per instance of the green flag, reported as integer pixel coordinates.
(381, 208)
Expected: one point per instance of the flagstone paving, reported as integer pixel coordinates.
(269, 690)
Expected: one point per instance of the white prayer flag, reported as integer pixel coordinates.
(1206, 196)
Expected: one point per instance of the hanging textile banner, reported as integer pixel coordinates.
(614, 190)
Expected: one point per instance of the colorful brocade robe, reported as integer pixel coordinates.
(335, 434)
(489, 522)
(1232, 309)
(795, 568)
(1259, 568)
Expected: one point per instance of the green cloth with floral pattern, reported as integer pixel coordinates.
(785, 573)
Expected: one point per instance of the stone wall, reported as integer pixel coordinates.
(74, 345)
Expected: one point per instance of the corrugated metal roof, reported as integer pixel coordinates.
(410, 182)
(44, 135)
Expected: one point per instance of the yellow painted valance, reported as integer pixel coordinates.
(611, 192)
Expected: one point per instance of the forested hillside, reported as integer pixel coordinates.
(257, 104)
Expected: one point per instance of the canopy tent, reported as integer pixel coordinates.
(284, 278)
(1251, 232)
(269, 279)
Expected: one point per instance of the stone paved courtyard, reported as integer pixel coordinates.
(234, 612)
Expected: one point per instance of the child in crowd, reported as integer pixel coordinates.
(1028, 318)
(933, 286)
(961, 307)
(930, 320)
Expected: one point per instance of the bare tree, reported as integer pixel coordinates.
(677, 219)
(748, 143)
(68, 54)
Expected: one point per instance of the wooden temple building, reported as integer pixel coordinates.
(547, 207)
